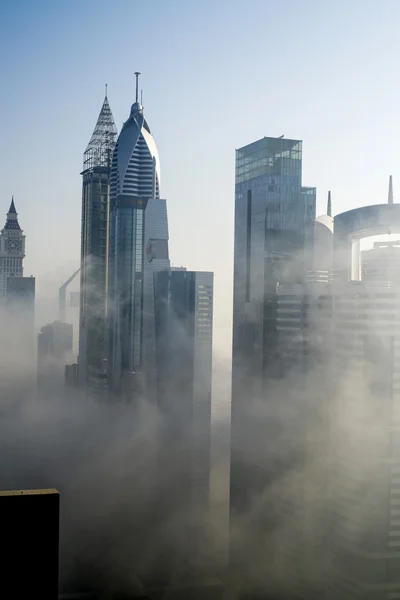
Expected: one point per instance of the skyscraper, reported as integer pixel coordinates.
(134, 198)
(54, 349)
(94, 246)
(12, 249)
(19, 327)
(364, 538)
(183, 326)
(274, 218)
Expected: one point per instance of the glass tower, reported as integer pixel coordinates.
(274, 217)
(183, 326)
(94, 246)
(135, 180)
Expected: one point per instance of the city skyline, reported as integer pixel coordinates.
(232, 410)
(173, 100)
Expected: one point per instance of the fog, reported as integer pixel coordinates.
(123, 525)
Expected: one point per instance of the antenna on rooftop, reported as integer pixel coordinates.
(137, 85)
(390, 194)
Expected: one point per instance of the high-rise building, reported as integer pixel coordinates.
(12, 249)
(274, 217)
(364, 540)
(274, 223)
(17, 317)
(157, 259)
(20, 304)
(54, 349)
(183, 327)
(134, 200)
(94, 247)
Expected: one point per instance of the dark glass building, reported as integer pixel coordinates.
(94, 247)
(274, 221)
(183, 325)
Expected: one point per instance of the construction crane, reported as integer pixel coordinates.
(62, 294)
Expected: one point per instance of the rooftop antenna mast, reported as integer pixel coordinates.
(390, 194)
(137, 85)
(329, 207)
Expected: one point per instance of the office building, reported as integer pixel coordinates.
(30, 539)
(71, 376)
(274, 224)
(183, 327)
(365, 410)
(381, 264)
(94, 247)
(274, 217)
(135, 183)
(19, 328)
(54, 351)
(156, 259)
(12, 249)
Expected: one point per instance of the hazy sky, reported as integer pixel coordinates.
(216, 75)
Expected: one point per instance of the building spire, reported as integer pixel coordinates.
(12, 207)
(137, 85)
(12, 217)
(106, 91)
(390, 194)
(102, 142)
(329, 207)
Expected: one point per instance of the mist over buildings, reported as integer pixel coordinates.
(289, 491)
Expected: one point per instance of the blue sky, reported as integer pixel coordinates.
(216, 75)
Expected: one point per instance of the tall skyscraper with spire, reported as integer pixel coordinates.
(12, 249)
(138, 226)
(94, 246)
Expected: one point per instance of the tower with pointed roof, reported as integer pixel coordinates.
(94, 245)
(138, 247)
(12, 249)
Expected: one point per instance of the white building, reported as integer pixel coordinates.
(138, 245)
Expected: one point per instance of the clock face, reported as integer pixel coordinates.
(12, 245)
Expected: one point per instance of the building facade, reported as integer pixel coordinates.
(365, 410)
(274, 217)
(381, 263)
(274, 222)
(183, 327)
(135, 184)
(94, 248)
(19, 329)
(54, 350)
(12, 249)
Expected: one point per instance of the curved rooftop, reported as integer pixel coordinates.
(368, 220)
(353, 225)
(326, 221)
(136, 166)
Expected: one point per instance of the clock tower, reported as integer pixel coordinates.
(12, 249)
